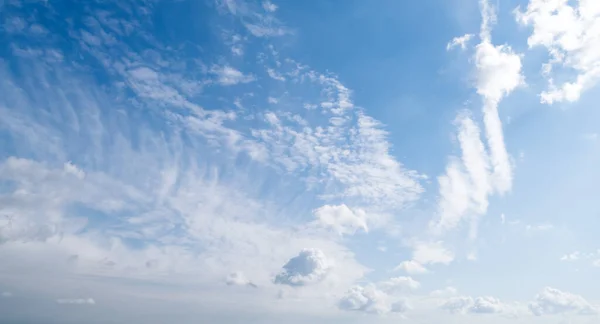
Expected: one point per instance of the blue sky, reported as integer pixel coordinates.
(275, 161)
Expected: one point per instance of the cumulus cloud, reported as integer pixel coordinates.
(411, 267)
(569, 31)
(310, 266)
(553, 301)
(459, 305)
(365, 299)
(341, 219)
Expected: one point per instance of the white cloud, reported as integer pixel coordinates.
(6, 294)
(272, 100)
(460, 41)
(76, 301)
(446, 292)
(399, 285)
(570, 32)
(487, 305)
(269, 6)
(432, 253)
(226, 75)
(553, 301)
(411, 267)
(571, 256)
(467, 184)
(310, 266)
(539, 227)
(479, 305)
(590, 137)
(341, 219)
(275, 75)
(365, 299)
(460, 305)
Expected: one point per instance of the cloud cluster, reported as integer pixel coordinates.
(570, 32)
(553, 301)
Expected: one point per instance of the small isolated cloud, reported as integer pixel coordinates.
(571, 256)
(238, 279)
(341, 219)
(432, 253)
(308, 267)
(460, 41)
(553, 301)
(411, 267)
(272, 100)
(77, 301)
(399, 285)
(269, 6)
(6, 294)
(226, 75)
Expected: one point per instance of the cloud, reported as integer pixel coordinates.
(310, 266)
(365, 299)
(269, 6)
(238, 279)
(479, 305)
(227, 75)
(399, 285)
(569, 32)
(432, 253)
(460, 41)
(553, 301)
(6, 294)
(412, 267)
(275, 75)
(76, 301)
(341, 219)
(469, 181)
(460, 305)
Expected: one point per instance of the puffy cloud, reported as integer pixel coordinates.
(446, 292)
(486, 305)
(553, 301)
(77, 301)
(570, 32)
(399, 285)
(308, 267)
(411, 267)
(365, 299)
(341, 219)
(460, 41)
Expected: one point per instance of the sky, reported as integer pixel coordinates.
(335, 161)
